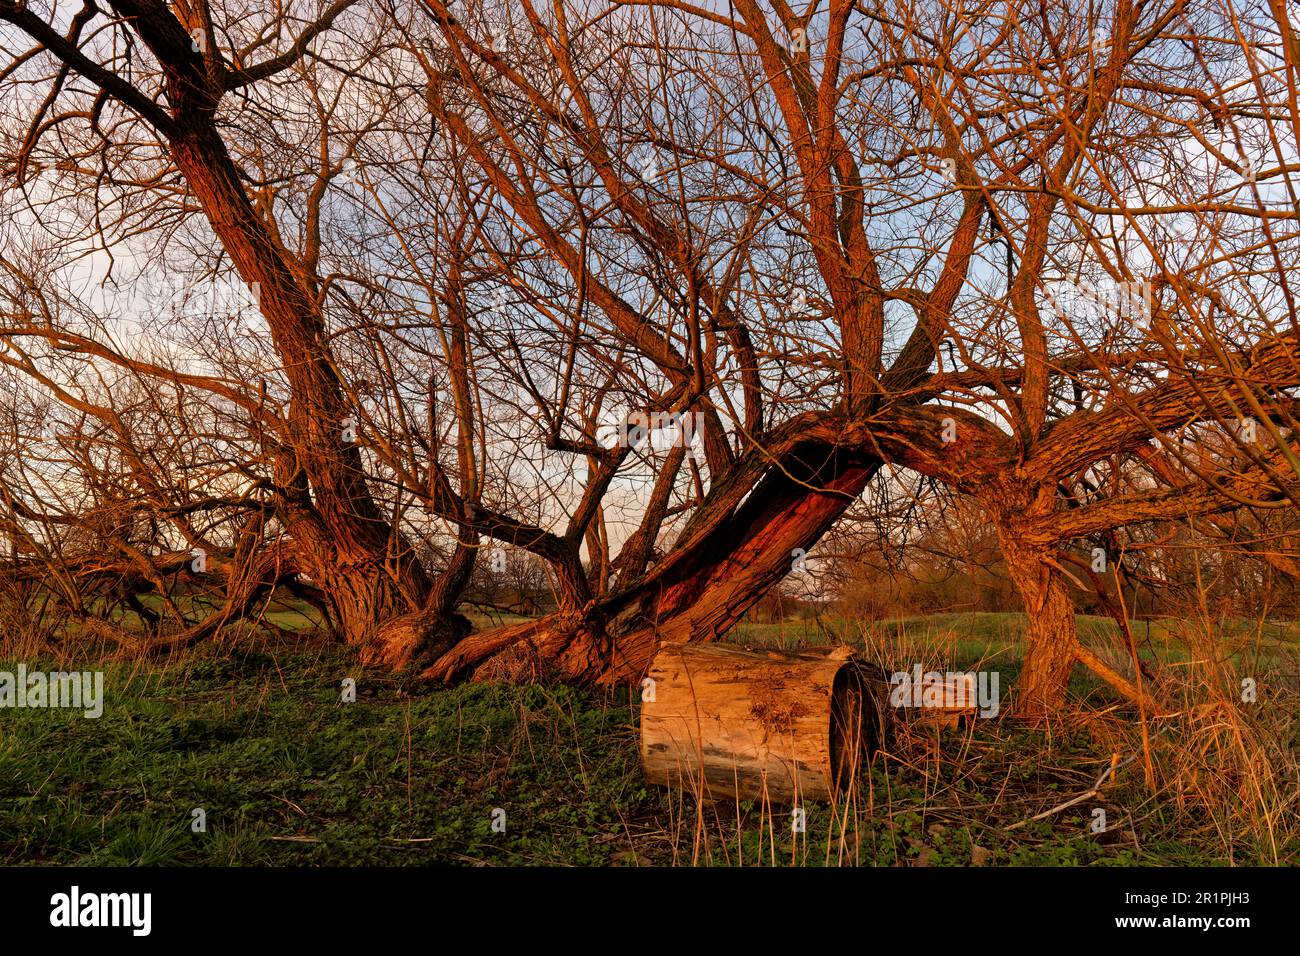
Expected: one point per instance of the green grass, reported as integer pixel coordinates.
(968, 637)
(287, 773)
(971, 636)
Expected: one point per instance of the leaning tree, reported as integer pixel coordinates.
(1021, 253)
(1019, 250)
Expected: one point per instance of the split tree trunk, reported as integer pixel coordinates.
(698, 593)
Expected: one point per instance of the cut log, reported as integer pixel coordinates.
(944, 700)
(728, 723)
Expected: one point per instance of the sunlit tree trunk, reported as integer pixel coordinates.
(698, 593)
(1051, 638)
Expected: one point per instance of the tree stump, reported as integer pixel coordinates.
(725, 723)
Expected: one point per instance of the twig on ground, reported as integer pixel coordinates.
(1115, 765)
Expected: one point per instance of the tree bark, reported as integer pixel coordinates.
(698, 593)
(1051, 637)
(364, 564)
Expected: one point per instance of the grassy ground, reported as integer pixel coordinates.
(288, 773)
(981, 634)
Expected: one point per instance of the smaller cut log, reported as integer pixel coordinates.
(945, 700)
(726, 723)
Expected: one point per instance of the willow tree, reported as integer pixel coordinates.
(981, 248)
(837, 238)
(131, 120)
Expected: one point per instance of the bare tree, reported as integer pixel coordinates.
(1019, 251)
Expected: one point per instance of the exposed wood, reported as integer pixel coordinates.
(958, 700)
(727, 723)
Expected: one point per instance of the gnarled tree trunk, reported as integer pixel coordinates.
(697, 593)
(1051, 638)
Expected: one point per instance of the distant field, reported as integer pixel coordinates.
(960, 639)
(983, 628)
(978, 634)
(973, 634)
